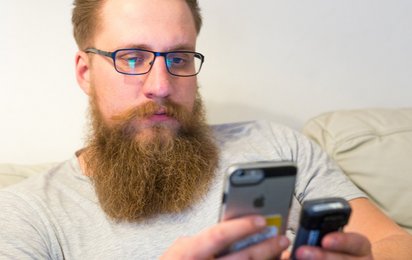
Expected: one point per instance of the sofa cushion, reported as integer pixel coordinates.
(13, 173)
(374, 148)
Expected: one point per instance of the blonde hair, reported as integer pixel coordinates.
(85, 19)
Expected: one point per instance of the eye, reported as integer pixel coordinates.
(175, 61)
(133, 62)
(131, 59)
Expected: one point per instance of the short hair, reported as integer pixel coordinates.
(85, 19)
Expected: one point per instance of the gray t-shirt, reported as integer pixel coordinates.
(56, 215)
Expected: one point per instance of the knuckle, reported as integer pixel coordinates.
(358, 244)
(217, 235)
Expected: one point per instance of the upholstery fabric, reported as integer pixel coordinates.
(13, 173)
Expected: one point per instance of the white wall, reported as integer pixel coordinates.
(280, 60)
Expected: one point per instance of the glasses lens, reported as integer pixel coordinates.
(184, 63)
(133, 61)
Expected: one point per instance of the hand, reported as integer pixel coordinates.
(338, 245)
(212, 241)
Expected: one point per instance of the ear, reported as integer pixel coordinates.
(83, 71)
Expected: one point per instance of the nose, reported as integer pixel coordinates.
(158, 82)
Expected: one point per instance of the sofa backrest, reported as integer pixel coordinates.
(13, 173)
(374, 148)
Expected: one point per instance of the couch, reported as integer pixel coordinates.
(372, 146)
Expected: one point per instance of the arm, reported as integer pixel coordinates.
(387, 238)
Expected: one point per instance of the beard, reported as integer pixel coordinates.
(142, 172)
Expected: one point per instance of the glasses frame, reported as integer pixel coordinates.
(156, 54)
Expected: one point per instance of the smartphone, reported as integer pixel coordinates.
(265, 188)
(318, 218)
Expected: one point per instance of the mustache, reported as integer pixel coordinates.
(150, 108)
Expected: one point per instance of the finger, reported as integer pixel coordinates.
(222, 235)
(314, 253)
(337, 246)
(348, 243)
(268, 249)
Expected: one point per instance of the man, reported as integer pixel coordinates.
(148, 183)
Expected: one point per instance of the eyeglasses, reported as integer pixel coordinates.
(139, 62)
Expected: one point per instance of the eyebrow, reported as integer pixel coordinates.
(178, 47)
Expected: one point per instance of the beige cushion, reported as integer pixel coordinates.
(13, 173)
(374, 148)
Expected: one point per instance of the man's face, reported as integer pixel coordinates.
(150, 151)
(156, 25)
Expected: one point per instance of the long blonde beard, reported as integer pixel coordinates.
(138, 176)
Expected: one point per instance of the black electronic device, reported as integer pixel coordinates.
(318, 218)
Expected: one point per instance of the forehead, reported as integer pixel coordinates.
(158, 24)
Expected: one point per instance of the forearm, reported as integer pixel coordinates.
(395, 246)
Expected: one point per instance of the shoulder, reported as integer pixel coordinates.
(25, 232)
(247, 126)
(30, 213)
(30, 191)
(23, 229)
(252, 129)
(261, 138)
(38, 192)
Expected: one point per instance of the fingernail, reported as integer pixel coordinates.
(284, 242)
(260, 222)
(307, 254)
(330, 243)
